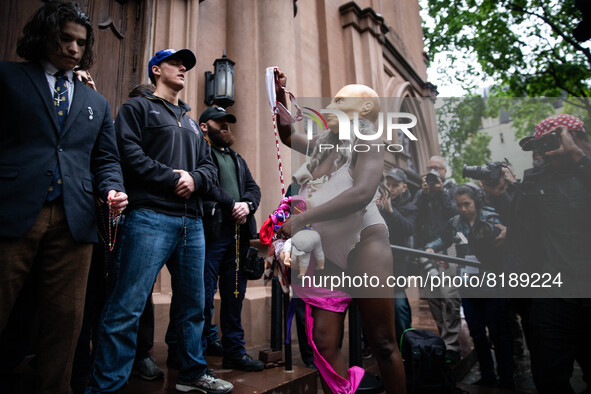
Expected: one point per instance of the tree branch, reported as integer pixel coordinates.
(554, 27)
(559, 83)
(582, 106)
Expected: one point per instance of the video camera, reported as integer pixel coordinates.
(490, 174)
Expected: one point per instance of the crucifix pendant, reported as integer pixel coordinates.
(57, 101)
(236, 292)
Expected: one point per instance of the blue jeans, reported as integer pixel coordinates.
(220, 262)
(149, 240)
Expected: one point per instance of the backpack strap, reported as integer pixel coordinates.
(402, 337)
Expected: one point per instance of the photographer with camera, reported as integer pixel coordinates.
(499, 183)
(436, 205)
(550, 234)
(400, 214)
(474, 231)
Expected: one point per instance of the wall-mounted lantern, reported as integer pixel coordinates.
(219, 86)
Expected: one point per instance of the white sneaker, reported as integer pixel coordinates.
(207, 383)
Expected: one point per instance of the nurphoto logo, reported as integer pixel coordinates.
(393, 121)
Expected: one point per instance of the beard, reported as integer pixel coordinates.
(219, 139)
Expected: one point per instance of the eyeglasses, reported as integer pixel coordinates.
(430, 168)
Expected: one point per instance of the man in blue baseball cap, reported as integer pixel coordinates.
(167, 166)
(186, 56)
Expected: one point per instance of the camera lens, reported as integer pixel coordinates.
(476, 172)
(432, 179)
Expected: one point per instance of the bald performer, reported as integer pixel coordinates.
(362, 249)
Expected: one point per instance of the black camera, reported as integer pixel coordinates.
(481, 241)
(489, 174)
(484, 231)
(432, 178)
(546, 143)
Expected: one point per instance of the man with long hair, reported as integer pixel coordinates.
(57, 150)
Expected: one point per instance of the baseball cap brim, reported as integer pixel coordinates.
(229, 117)
(216, 113)
(186, 56)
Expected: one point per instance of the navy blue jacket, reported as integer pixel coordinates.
(153, 142)
(31, 147)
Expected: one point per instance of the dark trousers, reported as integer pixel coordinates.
(519, 329)
(402, 315)
(95, 299)
(220, 273)
(61, 265)
(305, 348)
(19, 336)
(492, 313)
(559, 335)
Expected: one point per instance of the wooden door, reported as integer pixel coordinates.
(120, 36)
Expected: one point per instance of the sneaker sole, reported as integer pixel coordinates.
(184, 388)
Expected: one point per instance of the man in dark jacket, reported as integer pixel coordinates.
(499, 194)
(167, 166)
(550, 236)
(230, 224)
(436, 204)
(57, 153)
(400, 214)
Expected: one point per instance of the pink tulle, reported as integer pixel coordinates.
(335, 382)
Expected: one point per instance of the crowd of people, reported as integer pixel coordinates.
(166, 190)
(535, 225)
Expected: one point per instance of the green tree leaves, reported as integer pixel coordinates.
(526, 45)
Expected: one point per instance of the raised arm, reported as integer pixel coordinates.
(287, 134)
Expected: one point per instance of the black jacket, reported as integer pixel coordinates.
(31, 147)
(401, 222)
(153, 142)
(219, 204)
(401, 227)
(435, 210)
(551, 229)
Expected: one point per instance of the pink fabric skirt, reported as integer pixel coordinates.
(335, 382)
